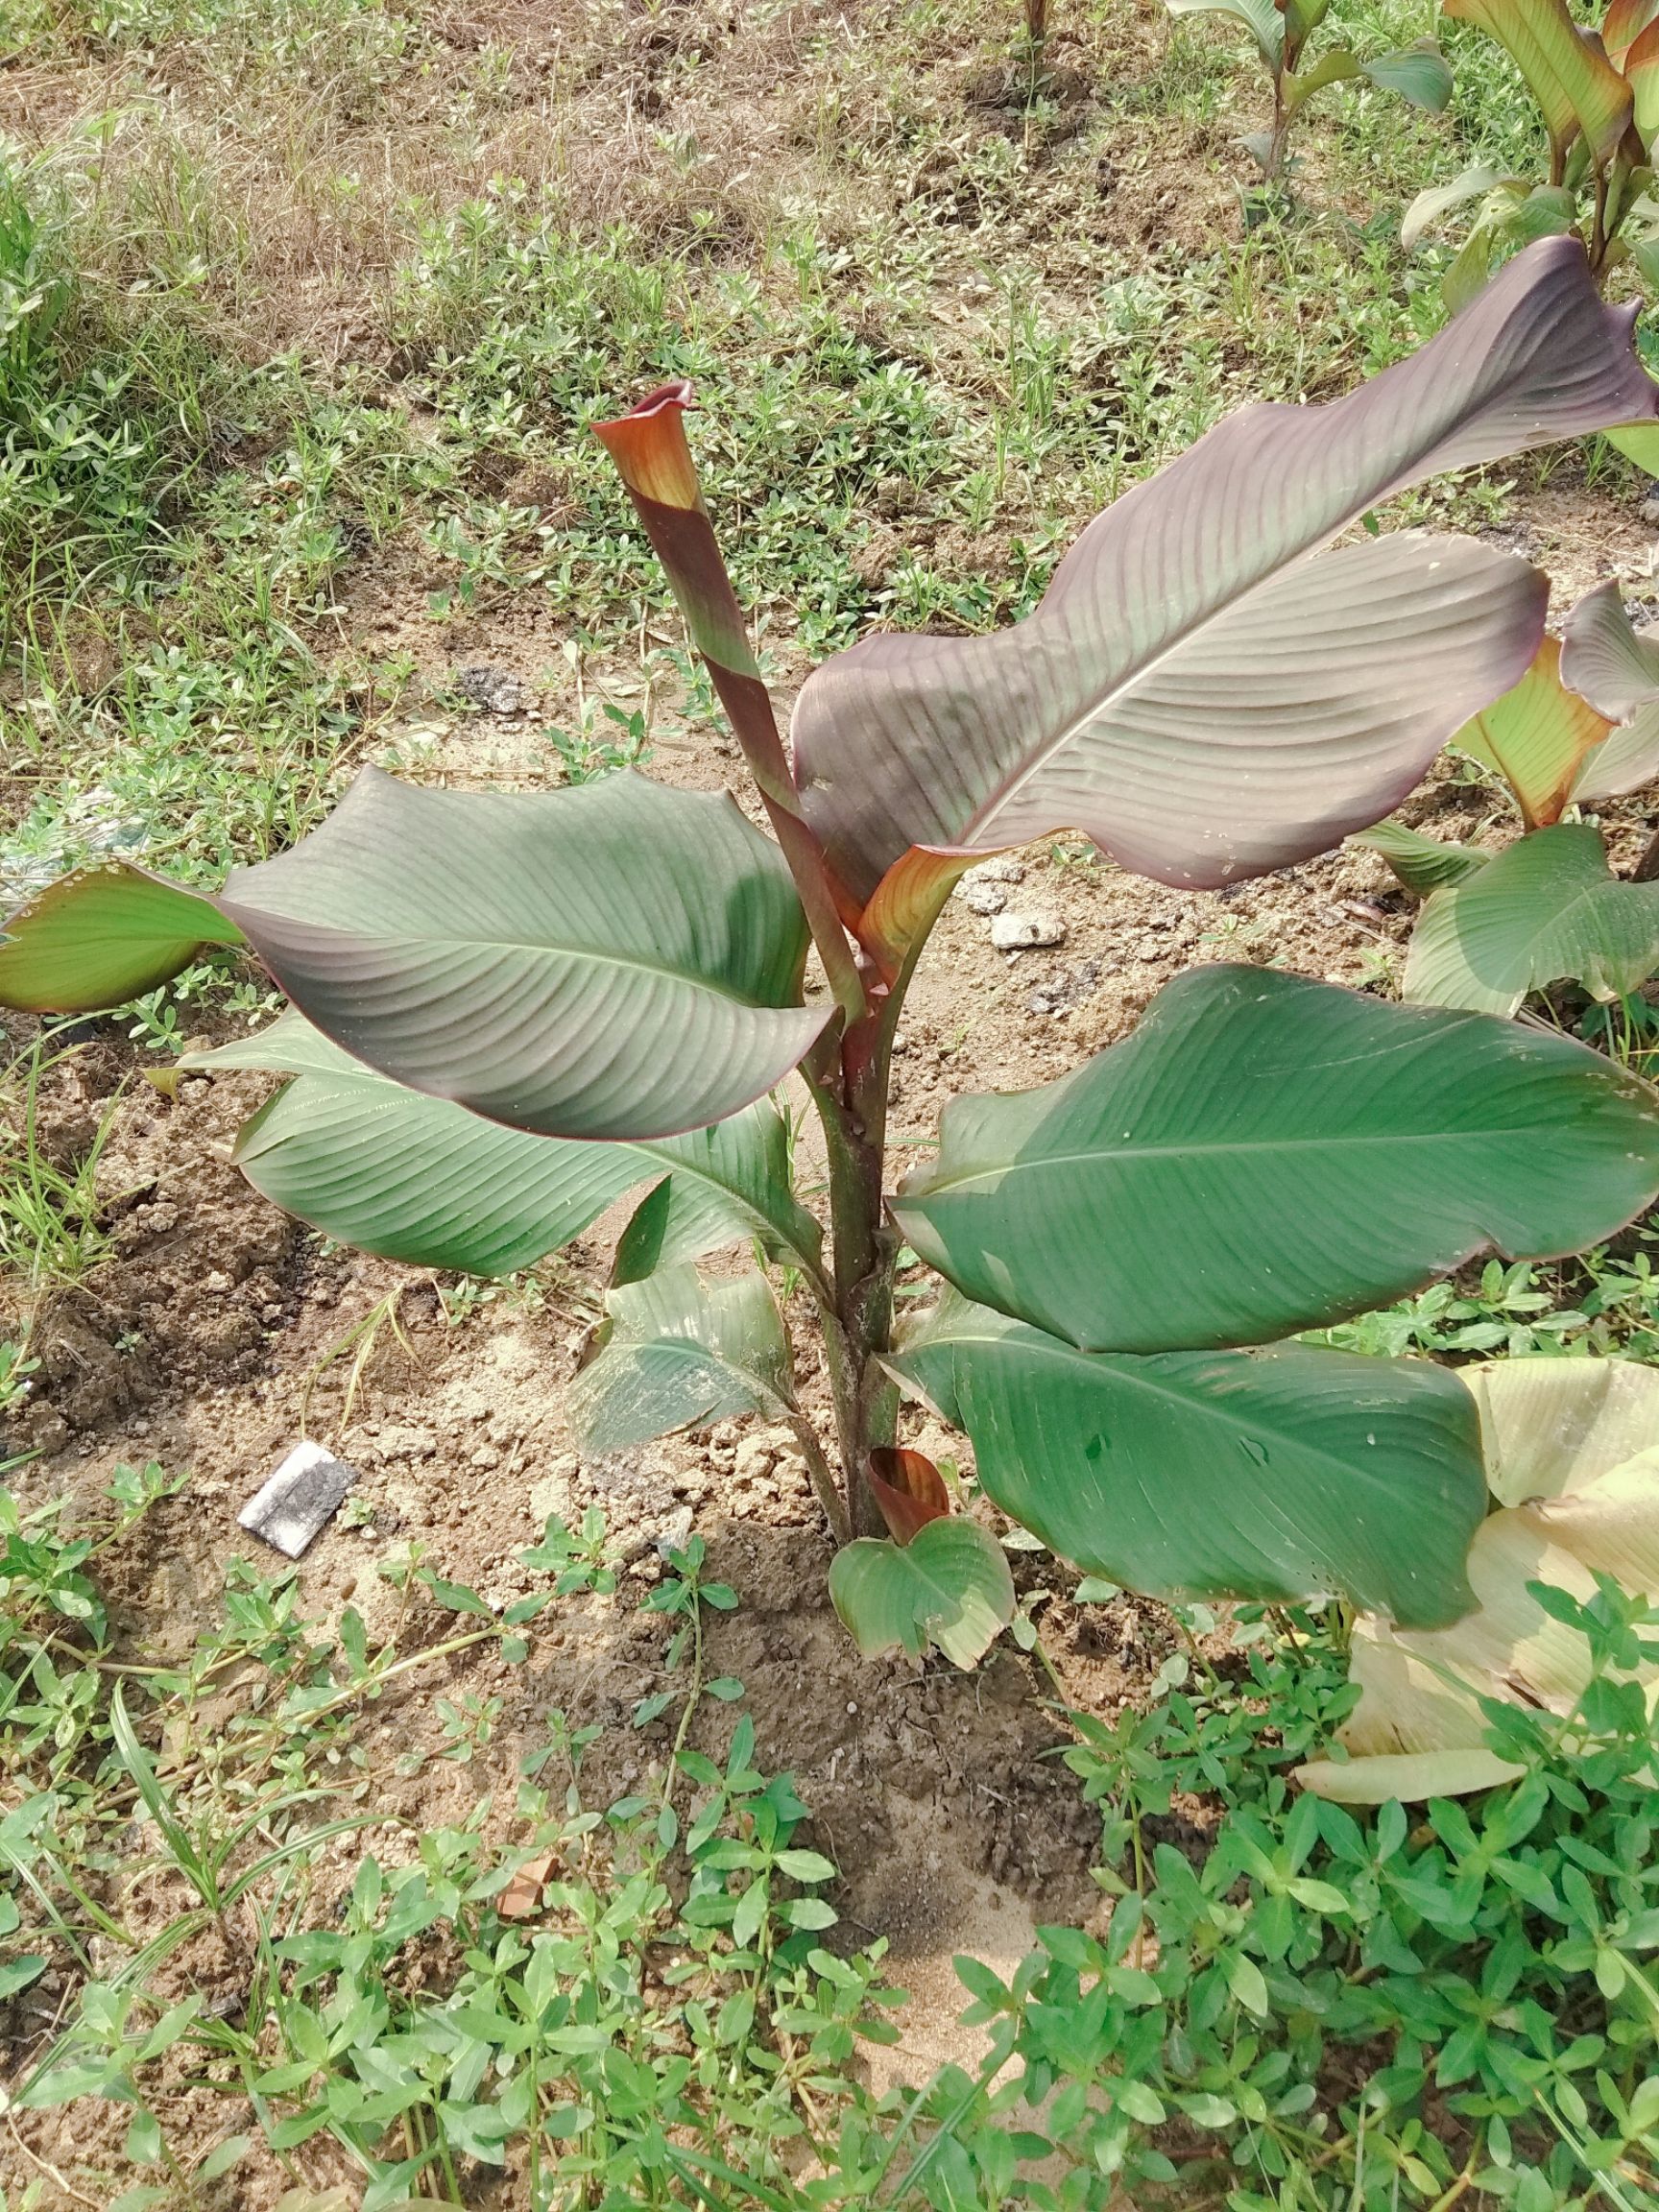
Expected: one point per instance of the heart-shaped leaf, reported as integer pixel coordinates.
(102, 937)
(1194, 692)
(1537, 737)
(1267, 1154)
(950, 1586)
(909, 1489)
(424, 1181)
(1280, 1474)
(681, 1352)
(1548, 908)
(612, 960)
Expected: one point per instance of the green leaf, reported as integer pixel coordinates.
(1282, 1474)
(612, 960)
(1639, 441)
(1571, 77)
(681, 1352)
(1439, 199)
(102, 937)
(1421, 863)
(427, 1182)
(1334, 68)
(1417, 74)
(951, 1586)
(1259, 17)
(1536, 737)
(1548, 908)
(1615, 667)
(1267, 1154)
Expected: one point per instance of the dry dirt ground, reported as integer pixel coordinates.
(196, 1344)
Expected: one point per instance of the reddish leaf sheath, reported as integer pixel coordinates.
(648, 445)
(908, 1488)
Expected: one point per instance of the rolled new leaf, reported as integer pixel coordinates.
(648, 445)
(101, 936)
(1308, 1152)
(612, 960)
(1195, 693)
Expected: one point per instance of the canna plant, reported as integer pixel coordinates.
(1282, 29)
(509, 1011)
(1581, 726)
(1598, 93)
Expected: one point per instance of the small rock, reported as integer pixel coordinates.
(1022, 932)
(1649, 508)
(981, 897)
(497, 690)
(305, 1491)
(755, 1457)
(675, 1532)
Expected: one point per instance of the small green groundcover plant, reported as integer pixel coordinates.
(600, 2004)
(508, 1011)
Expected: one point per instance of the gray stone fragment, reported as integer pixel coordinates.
(1018, 933)
(291, 1509)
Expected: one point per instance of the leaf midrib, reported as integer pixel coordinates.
(600, 956)
(1153, 1152)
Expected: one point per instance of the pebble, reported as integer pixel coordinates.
(983, 889)
(1026, 929)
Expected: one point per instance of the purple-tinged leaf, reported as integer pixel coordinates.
(1196, 693)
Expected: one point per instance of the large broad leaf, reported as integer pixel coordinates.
(950, 1586)
(1548, 908)
(1418, 74)
(424, 1181)
(1615, 667)
(1194, 692)
(1569, 1512)
(681, 1352)
(1260, 17)
(1275, 1474)
(102, 937)
(1439, 199)
(1537, 737)
(614, 960)
(1422, 864)
(1265, 1154)
(1570, 76)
